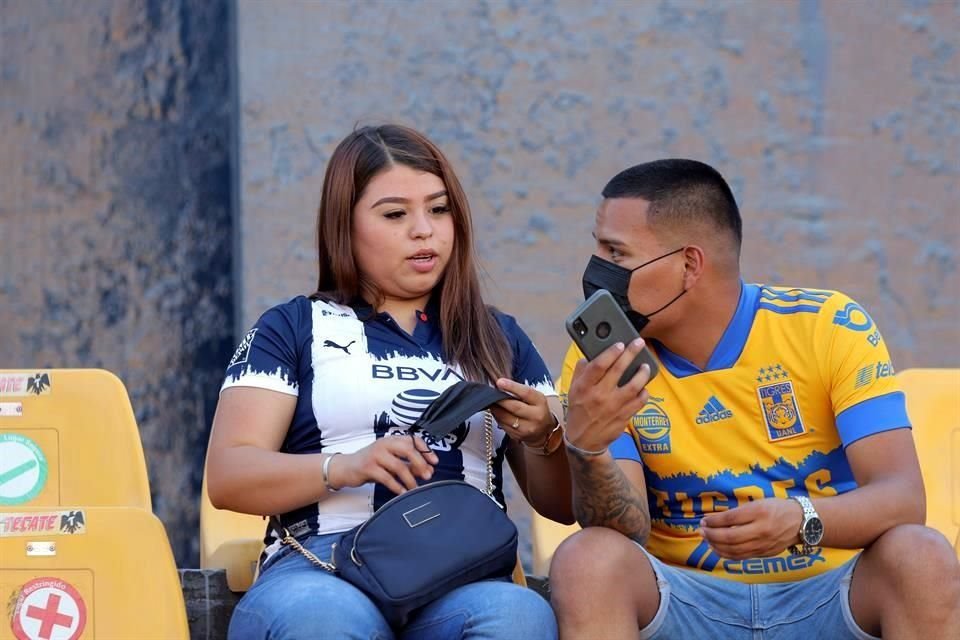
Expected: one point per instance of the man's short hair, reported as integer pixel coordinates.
(680, 191)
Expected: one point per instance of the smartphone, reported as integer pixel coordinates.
(599, 323)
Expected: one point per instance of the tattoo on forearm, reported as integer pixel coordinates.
(604, 497)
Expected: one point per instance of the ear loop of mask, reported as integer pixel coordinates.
(677, 297)
(657, 258)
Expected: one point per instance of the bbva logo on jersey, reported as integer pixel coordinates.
(652, 426)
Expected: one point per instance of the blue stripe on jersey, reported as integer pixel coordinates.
(789, 296)
(731, 344)
(684, 490)
(800, 308)
(882, 413)
(624, 448)
(698, 553)
(711, 561)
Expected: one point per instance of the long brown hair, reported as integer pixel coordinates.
(472, 337)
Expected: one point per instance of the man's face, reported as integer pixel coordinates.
(624, 238)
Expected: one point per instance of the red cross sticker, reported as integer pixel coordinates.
(48, 609)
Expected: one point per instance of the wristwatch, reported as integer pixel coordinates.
(811, 529)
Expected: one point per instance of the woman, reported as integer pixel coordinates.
(319, 389)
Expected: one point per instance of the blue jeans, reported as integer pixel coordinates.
(696, 605)
(294, 599)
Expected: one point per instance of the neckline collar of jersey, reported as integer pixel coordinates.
(731, 343)
(424, 330)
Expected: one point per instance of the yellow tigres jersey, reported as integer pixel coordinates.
(798, 375)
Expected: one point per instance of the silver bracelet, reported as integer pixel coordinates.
(326, 471)
(581, 452)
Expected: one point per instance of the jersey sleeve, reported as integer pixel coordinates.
(267, 357)
(856, 369)
(624, 447)
(528, 366)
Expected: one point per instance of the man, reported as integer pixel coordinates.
(772, 447)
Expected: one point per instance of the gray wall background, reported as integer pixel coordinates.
(838, 124)
(115, 215)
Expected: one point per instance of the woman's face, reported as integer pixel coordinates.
(403, 232)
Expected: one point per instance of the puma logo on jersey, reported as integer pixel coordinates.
(345, 349)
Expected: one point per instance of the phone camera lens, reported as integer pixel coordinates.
(603, 330)
(580, 328)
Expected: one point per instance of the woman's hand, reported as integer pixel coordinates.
(393, 461)
(526, 418)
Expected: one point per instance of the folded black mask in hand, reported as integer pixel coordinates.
(455, 405)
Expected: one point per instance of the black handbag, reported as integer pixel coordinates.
(437, 537)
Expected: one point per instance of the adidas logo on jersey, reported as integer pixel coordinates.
(713, 411)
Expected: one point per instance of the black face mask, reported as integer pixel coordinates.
(603, 274)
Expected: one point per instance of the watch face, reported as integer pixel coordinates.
(813, 531)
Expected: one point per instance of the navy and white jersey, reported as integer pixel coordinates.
(358, 376)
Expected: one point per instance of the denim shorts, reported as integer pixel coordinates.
(697, 605)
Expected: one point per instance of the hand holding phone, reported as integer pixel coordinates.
(598, 323)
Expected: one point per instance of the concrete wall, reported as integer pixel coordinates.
(836, 123)
(115, 219)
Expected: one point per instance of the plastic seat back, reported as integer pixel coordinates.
(69, 437)
(933, 404)
(546, 535)
(230, 540)
(89, 572)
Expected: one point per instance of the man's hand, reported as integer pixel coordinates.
(597, 409)
(758, 529)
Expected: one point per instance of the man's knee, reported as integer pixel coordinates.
(915, 556)
(593, 554)
(598, 560)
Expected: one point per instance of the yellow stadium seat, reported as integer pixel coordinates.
(69, 437)
(933, 404)
(546, 536)
(90, 572)
(230, 540)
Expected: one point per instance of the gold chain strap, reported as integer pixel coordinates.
(488, 446)
(309, 555)
(332, 568)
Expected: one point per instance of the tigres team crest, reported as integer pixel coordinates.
(781, 414)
